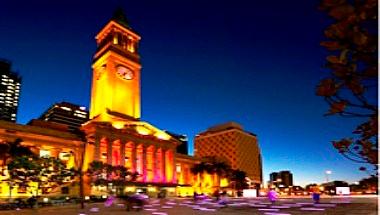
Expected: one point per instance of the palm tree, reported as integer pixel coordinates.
(199, 169)
(238, 179)
(211, 165)
(218, 167)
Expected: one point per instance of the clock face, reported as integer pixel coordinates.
(124, 72)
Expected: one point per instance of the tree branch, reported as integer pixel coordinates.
(358, 161)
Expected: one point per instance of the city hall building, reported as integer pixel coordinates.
(114, 133)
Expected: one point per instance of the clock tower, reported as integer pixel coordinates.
(115, 93)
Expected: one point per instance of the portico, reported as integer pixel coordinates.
(148, 154)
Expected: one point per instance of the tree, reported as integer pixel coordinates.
(9, 150)
(238, 179)
(218, 167)
(211, 165)
(371, 183)
(104, 174)
(351, 88)
(310, 187)
(200, 168)
(47, 173)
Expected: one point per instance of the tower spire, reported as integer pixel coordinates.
(119, 17)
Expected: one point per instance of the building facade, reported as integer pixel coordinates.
(231, 143)
(43, 141)
(67, 114)
(113, 133)
(281, 179)
(182, 138)
(10, 87)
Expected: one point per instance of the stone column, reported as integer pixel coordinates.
(122, 152)
(109, 151)
(97, 148)
(174, 179)
(163, 165)
(133, 157)
(154, 164)
(144, 172)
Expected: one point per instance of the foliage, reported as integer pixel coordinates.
(239, 179)
(309, 187)
(370, 183)
(212, 165)
(351, 88)
(103, 174)
(10, 150)
(47, 172)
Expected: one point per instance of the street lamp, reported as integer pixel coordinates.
(328, 172)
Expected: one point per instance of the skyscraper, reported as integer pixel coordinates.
(283, 178)
(66, 113)
(230, 142)
(183, 147)
(9, 91)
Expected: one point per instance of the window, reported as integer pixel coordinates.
(64, 156)
(65, 190)
(178, 167)
(21, 189)
(66, 108)
(44, 153)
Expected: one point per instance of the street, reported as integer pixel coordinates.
(331, 206)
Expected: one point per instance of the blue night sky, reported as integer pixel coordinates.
(204, 63)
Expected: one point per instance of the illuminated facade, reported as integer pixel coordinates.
(9, 92)
(114, 133)
(67, 114)
(116, 72)
(44, 141)
(230, 142)
(188, 183)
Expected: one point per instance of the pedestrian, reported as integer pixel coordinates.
(272, 195)
(195, 195)
(110, 200)
(223, 199)
(316, 195)
(216, 194)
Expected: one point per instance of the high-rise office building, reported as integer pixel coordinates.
(282, 178)
(66, 113)
(183, 147)
(273, 176)
(230, 142)
(9, 91)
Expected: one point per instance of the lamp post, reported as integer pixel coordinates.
(327, 173)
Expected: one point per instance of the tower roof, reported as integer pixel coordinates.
(119, 17)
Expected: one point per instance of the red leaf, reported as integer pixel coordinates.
(341, 11)
(333, 59)
(327, 87)
(355, 86)
(331, 45)
(337, 107)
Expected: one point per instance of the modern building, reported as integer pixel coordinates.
(281, 179)
(182, 138)
(231, 143)
(273, 177)
(9, 92)
(67, 114)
